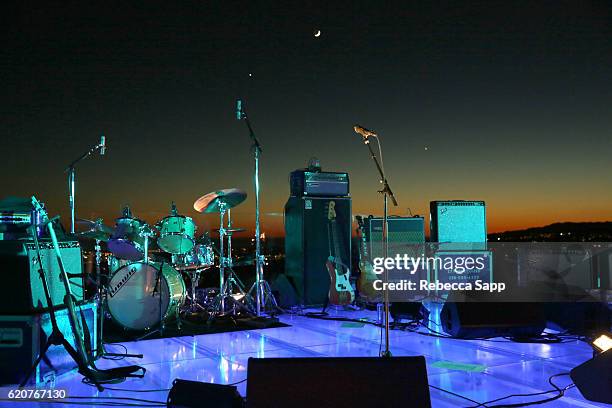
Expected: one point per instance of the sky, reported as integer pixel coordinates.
(506, 102)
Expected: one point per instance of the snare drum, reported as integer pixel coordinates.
(133, 299)
(176, 234)
(200, 257)
(127, 242)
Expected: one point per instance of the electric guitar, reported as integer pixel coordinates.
(365, 283)
(340, 290)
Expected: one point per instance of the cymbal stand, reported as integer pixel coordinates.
(147, 232)
(264, 299)
(229, 282)
(101, 288)
(194, 306)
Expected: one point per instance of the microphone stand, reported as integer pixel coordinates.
(71, 170)
(387, 193)
(263, 292)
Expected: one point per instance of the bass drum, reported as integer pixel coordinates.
(133, 300)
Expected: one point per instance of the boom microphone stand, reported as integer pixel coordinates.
(71, 170)
(263, 292)
(386, 192)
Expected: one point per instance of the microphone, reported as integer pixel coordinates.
(238, 109)
(364, 132)
(102, 145)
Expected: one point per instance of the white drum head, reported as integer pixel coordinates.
(133, 300)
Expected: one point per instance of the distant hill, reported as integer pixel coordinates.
(560, 231)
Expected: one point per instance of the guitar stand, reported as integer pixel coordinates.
(81, 354)
(56, 338)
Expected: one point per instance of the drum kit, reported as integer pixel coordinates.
(143, 292)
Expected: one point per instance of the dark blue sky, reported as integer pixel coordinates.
(511, 99)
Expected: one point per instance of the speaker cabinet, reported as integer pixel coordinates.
(356, 382)
(307, 244)
(402, 231)
(472, 315)
(594, 377)
(21, 339)
(22, 291)
(194, 394)
(458, 221)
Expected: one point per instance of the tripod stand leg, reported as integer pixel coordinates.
(41, 355)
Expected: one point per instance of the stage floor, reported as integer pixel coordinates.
(479, 370)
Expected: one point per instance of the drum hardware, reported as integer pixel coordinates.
(147, 232)
(264, 299)
(194, 306)
(102, 296)
(99, 232)
(223, 201)
(231, 230)
(71, 170)
(228, 281)
(95, 230)
(176, 233)
(193, 263)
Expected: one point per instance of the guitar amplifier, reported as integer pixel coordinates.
(458, 221)
(21, 339)
(319, 184)
(22, 291)
(403, 231)
(307, 244)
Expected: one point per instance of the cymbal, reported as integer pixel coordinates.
(231, 230)
(95, 230)
(93, 234)
(210, 203)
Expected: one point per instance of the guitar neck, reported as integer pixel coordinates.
(336, 244)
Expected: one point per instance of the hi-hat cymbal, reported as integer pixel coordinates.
(211, 202)
(231, 230)
(94, 234)
(94, 230)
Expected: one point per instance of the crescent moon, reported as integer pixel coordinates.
(317, 33)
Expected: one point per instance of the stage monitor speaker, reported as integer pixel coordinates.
(307, 244)
(21, 291)
(593, 378)
(586, 317)
(471, 315)
(192, 394)
(414, 311)
(458, 221)
(315, 382)
(402, 230)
